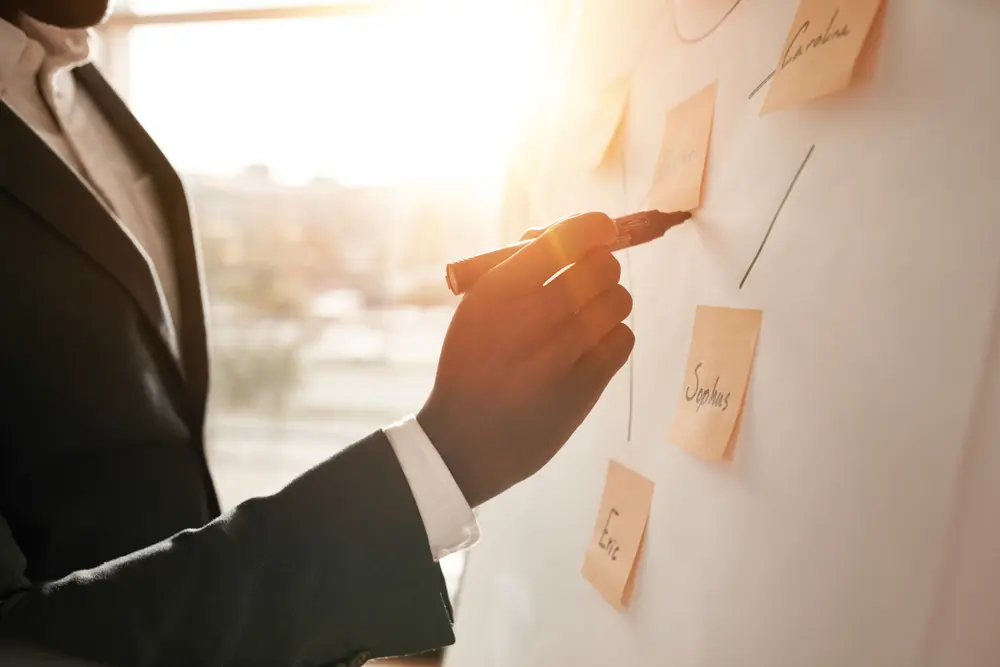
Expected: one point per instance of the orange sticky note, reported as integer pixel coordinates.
(715, 381)
(821, 51)
(605, 121)
(615, 546)
(680, 167)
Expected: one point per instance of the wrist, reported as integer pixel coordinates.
(447, 437)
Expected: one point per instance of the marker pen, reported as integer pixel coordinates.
(633, 229)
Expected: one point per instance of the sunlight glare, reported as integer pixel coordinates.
(426, 94)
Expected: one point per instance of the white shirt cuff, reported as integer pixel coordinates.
(450, 524)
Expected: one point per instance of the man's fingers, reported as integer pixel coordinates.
(577, 286)
(535, 232)
(560, 245)
(579, 334)
(596, 368)
(532, 233)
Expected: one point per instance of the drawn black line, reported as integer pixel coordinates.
(695, 40)
(762, 83)
(777, 213)
(623, 160)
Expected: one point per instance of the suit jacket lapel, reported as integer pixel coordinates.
(42, 181)
(193, 335)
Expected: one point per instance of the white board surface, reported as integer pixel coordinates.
(859, 523)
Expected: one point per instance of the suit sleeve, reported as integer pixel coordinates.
(332, 568)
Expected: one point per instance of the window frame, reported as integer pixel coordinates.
(125, 18)
(114, 33)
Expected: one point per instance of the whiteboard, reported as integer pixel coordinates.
(859, 523)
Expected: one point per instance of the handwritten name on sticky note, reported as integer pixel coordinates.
(605, 121)
(718, 371)
(616, 544)
(821, 51)
(680, 167)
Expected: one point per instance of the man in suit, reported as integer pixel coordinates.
(111, 544)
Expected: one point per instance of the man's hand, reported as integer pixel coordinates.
(524, 362)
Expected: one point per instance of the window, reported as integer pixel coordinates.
(337, 157)
(155, 7)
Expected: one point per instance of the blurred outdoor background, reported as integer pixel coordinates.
(338, 156)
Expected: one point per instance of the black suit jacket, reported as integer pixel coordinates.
(110, 545)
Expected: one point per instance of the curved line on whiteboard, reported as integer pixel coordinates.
(695, 40)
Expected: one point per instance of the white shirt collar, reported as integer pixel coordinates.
(61, 48)
(66, 48)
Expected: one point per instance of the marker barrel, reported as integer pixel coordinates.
(463, 274)
(633, 229)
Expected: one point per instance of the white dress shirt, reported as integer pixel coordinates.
(450, 524)
(36, 81)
